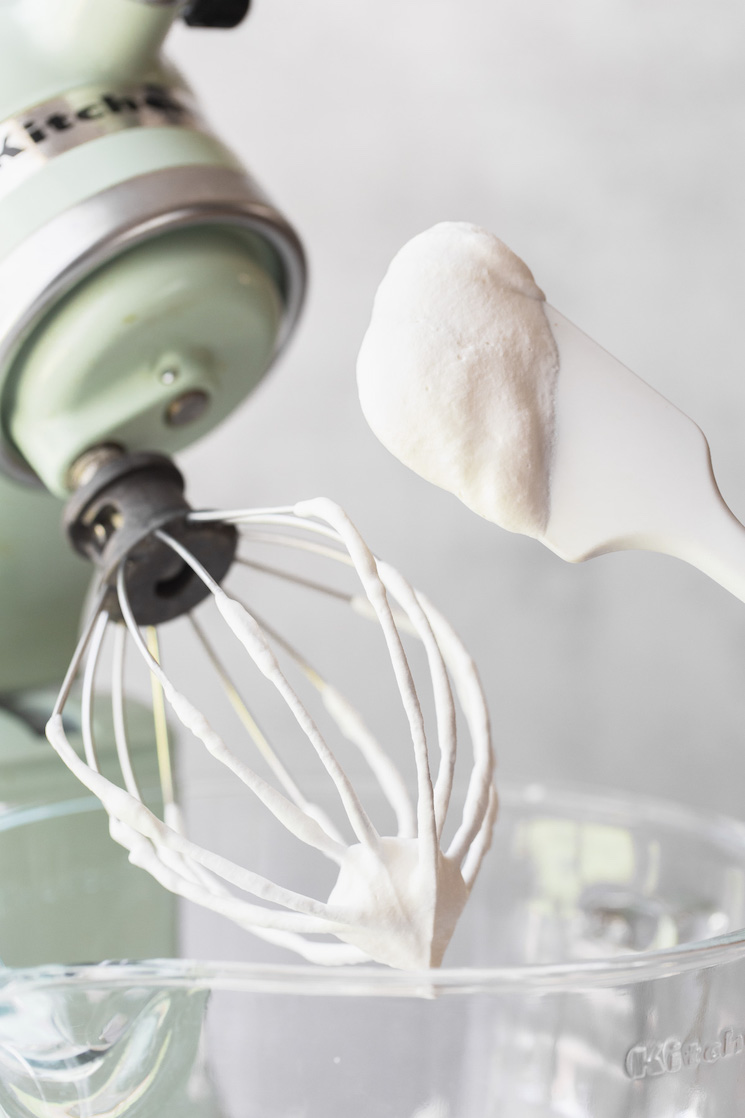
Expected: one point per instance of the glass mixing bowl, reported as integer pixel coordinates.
(596, 973)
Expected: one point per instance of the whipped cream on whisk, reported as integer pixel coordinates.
(457, 373)
(397, 896)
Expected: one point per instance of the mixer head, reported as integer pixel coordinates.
(146, 282)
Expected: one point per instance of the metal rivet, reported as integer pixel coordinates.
(90, 461)
(187, 408)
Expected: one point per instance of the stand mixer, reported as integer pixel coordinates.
(137, 317)
(138, 256)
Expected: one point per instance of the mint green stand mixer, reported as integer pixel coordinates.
(146, 285)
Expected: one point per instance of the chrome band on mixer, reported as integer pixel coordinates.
(29, 140)
(47, 264)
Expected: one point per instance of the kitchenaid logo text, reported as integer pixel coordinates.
(29, 141)
(674, 1055)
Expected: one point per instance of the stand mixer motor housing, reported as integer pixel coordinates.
(146, 283)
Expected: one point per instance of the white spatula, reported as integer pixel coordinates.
(630, 470)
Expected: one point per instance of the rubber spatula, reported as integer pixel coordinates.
(630, 470)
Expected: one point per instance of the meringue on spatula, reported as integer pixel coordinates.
(472, 380)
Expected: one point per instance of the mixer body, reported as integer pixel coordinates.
(146, 285)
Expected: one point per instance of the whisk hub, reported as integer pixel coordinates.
(112, 519)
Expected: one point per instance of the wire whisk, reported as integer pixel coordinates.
(396, 897)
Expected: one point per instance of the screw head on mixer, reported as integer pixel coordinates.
(187, 408)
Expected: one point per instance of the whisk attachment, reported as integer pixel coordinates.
(112, 519)
(397, 896)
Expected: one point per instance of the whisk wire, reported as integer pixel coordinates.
(89, 675)
(443, 696)
(297, 543)
(259, 738)
(80, 650)
(367, 570)
(160, 723)
(117, 708)
(352, 726)
(249, 633)
(287, 576)
(176, 863)
(296, 821)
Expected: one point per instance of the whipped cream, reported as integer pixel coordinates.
(394, 906)
(457, 373)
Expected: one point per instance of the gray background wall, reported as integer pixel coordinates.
(604, 143)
